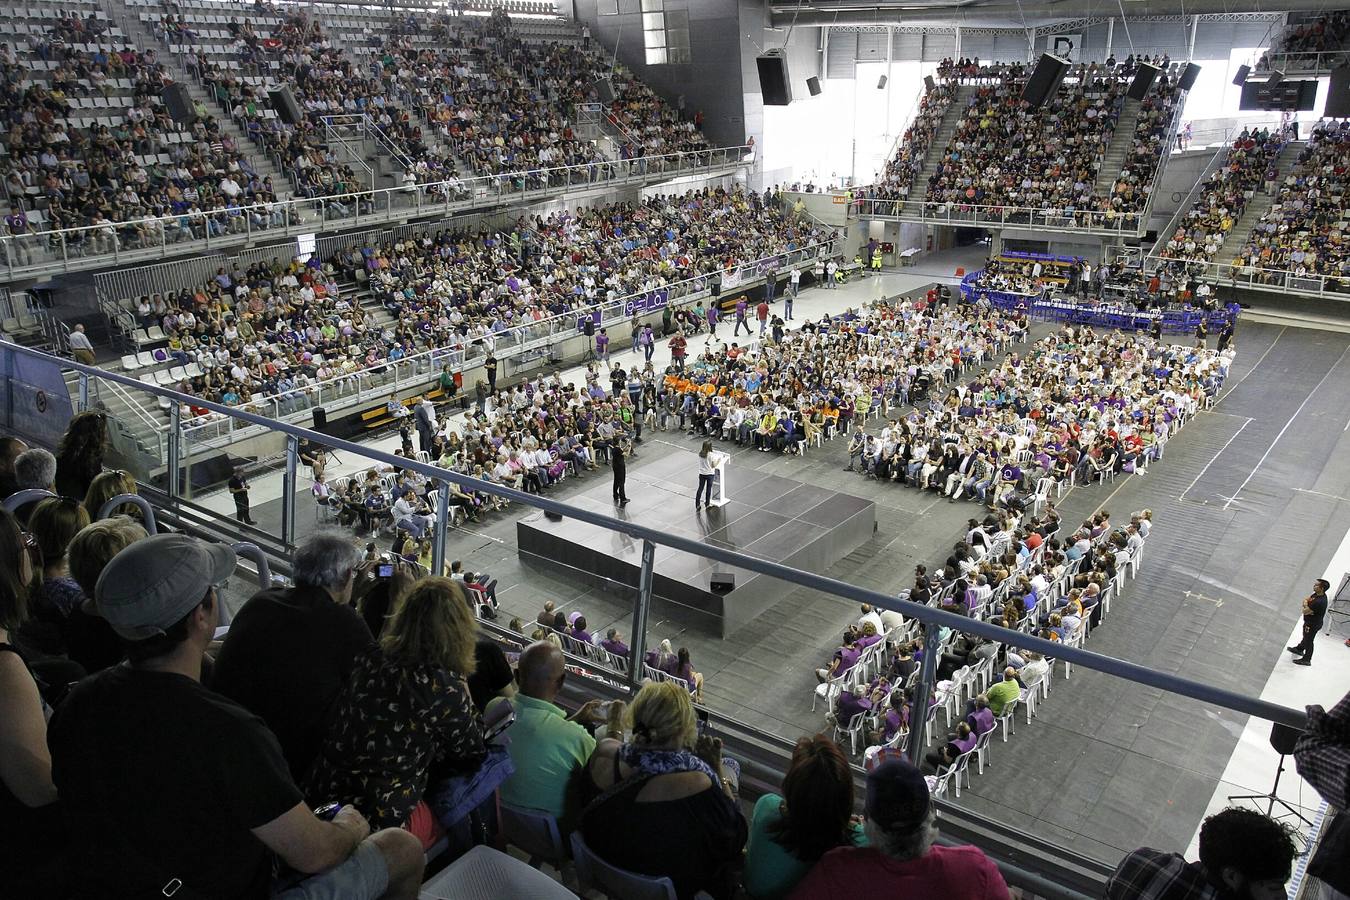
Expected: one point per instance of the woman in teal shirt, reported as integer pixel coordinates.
(789, 833)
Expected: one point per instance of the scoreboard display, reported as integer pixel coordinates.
(1283, 96)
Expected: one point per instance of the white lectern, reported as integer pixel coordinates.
(719, 485)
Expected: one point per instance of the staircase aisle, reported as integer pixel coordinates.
(1259, 205)
(941, 141)
(1113, 160)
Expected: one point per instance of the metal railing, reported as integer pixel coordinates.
(1201, 182)
(152, 238)
(1329, 287)
(932, 212)
(372, 385)
(1311, 63)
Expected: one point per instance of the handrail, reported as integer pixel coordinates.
(370, 207)
(521, 338)
(255, 554)
(1297, 62)
(1255, 277)
(27, 495)
(959, 213)
(130, 401)
(1165, 234)
(332, 136)
(811, 580)
(147, 512)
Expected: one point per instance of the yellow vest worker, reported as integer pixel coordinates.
(876, 260)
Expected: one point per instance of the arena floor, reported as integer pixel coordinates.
(1250, 504)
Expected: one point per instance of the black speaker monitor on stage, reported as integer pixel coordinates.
(179, 103)
(813, 85)
(1188, 76)
(773, 79)
(1240, 76)
(604, 90)
(283, 101)
(722, 582)
(320, 419)
(1045, 79)
(1143, 80)
(1338, 94)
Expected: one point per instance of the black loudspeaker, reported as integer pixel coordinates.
(722, 583)
(1240, 77)
(813, 85)
(283, 101)
(1284, 737)
(1045, 78)
(179, 103)
(1338, 94)
(773, 79)
(604, 90)
(1143, 80)
(881, 83)
(1188, 76)
(320, 419)
(552, 516)
(928, 83)
(1274, 79)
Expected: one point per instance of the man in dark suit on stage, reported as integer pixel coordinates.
(617, 455)
(1314, 616)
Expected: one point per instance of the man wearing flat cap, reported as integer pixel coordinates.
(902, 860)
(167, 786)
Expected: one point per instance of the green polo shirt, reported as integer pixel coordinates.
(1001, 694)
(545, 749)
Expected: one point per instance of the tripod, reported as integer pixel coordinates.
(1282, 738)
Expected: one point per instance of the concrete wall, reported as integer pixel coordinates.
(710, 83)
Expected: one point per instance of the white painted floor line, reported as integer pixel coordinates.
(1254, 367)
(1311, 394)
(1182, 495)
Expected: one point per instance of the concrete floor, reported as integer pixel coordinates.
(1250, 504)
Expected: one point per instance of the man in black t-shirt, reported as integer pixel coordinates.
(1314, 617)
(289, 651)
(167, 785)
(238, 486)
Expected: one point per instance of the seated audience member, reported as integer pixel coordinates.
(902, 859)
(663, 658)
(1242, 854)
(963, 740)
(547, 614)
(406, 715)
(10, 448)
(981, 718)
(31, 830)
(54, 522)
(548, 746)
(162, 779)
(666, 775)
(1005, 692)
(79, 457)
(290, 651)
(843, 661)
(34, 469)
(789, 833)
(104, 487)
(684, 669)
(851, 703)
(614, 645)
(90, 640)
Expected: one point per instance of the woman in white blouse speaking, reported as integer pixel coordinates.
(708, 461)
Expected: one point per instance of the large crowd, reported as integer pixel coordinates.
(275, 328)
(1248, 167)
(897, 179)
(1303, 233)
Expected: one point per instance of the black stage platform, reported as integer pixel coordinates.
(768, 516)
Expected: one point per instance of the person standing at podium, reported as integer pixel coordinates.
(708, 461)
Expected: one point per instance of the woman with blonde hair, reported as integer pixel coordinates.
(104, 487)
(668, 781)
(406, 716)
(54, 522)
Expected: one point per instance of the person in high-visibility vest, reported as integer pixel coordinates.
(876, 260)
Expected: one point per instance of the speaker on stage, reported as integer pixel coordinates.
(722, 582)
(1240, 76)
(283, 101)
(320, 419)
(179, 103)
(813, 85)
(1143, 80)
(1188, 76)
(604, 90)
(773, 79)
(1045, 79)
(552, 516)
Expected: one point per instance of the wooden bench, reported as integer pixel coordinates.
(379, 417)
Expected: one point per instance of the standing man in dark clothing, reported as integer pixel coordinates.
(425, 419)
(490, 367)
(741, 320)
(238, 486)
(617, 454)
(1314, 616)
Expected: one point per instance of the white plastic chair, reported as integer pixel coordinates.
(1009, 719)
